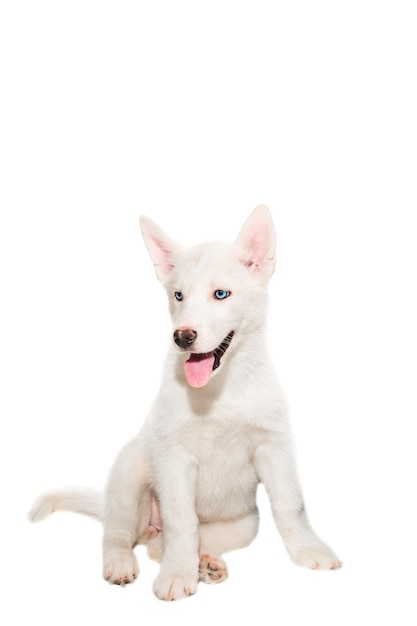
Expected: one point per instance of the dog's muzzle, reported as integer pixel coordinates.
(199, 367)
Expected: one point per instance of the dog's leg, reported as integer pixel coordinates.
(275, 467)
(219, 537)
(126, 515)
(178, 575)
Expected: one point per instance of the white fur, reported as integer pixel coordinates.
(186, 485)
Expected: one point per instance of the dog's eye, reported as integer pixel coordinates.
(178, 295)
(221, 294)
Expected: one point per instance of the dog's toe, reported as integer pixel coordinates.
(174, 587)
(317, 557)
(120, 567)
(212, 569)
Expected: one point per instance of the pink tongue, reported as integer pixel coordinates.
(198, 369)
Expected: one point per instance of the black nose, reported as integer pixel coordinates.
(185, 337)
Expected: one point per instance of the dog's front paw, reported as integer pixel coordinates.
(120, 566)
(175, 587)
(316, 556)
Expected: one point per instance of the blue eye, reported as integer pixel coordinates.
(178, 296)
(221, 294)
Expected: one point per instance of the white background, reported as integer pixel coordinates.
(194, 113)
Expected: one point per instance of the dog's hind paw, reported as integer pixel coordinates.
(120, 566)
(212, 569)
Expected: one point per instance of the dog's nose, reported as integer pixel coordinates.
(185, 337)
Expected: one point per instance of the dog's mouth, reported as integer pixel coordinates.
(200, 367)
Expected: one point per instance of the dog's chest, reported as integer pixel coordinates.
(226, 474)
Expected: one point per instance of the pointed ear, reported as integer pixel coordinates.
(162, 249)
(257, 241)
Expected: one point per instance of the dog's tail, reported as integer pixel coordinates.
(78, 500)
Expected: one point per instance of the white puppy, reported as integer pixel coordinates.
(186, 485)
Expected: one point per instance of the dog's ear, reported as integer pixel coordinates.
(162, 249)
(256, 242)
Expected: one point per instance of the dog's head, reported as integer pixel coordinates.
(216, 290)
